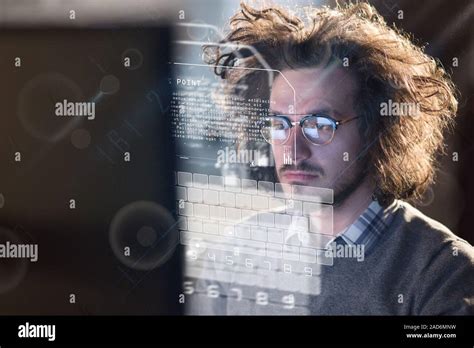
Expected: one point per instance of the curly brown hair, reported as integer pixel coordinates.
(386, 63)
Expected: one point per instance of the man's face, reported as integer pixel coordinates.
(328, 91)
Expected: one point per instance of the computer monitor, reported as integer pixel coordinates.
(86, 179)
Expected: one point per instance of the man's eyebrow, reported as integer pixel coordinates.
(328, 111)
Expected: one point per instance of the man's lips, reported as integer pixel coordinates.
(296, 175)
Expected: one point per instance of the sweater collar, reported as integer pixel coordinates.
(368, 227)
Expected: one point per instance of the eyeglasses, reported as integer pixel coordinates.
(318, 129)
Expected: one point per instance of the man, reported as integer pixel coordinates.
(335, 78)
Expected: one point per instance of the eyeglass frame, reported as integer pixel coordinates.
(293, 124)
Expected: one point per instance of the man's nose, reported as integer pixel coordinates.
(300, 146)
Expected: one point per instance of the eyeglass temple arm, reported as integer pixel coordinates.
(345, 121)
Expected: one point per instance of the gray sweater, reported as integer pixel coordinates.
(417, 267)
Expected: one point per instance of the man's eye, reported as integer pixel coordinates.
(278, 126)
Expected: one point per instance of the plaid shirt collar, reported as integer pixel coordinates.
(366, 230)
(368, 227)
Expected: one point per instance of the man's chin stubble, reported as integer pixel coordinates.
(347, 190)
